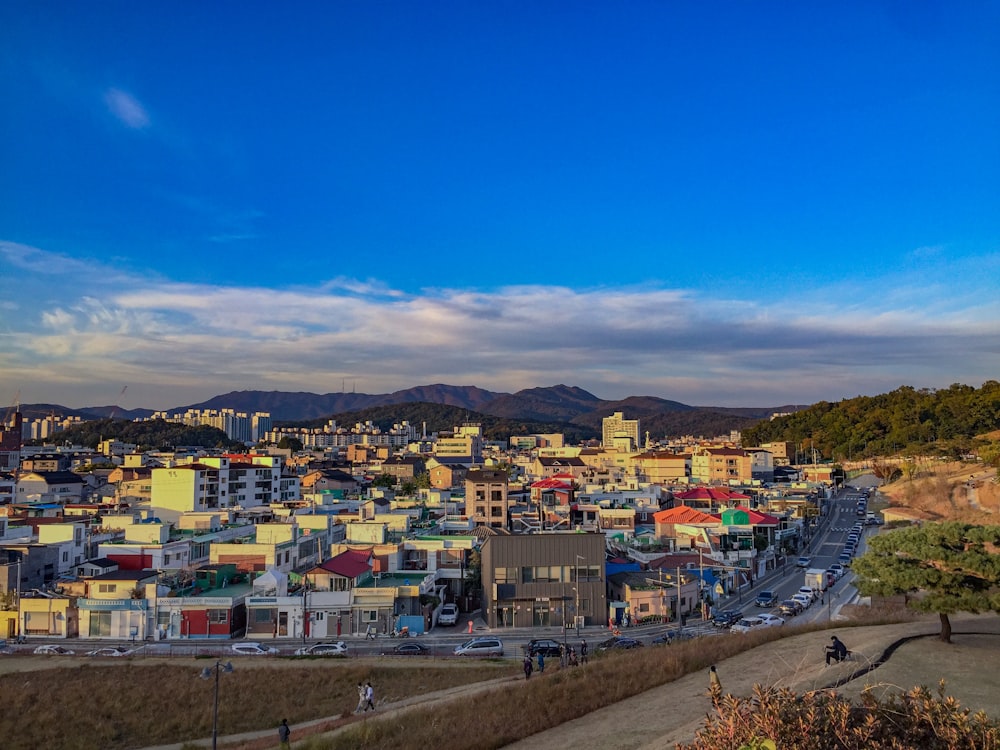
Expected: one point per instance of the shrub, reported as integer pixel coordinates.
(826, 720)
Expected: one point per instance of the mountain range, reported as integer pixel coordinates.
(554, 404)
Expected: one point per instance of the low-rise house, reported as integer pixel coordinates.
(656, 594)
(48, 615)
(50, 486)
(214, 606)
(118, 605)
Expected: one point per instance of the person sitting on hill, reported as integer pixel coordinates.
(836, 650)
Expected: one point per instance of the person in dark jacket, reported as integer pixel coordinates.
(528, 667)
(284, 734)
(836, 650)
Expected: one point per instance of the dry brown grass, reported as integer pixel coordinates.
(525, 709)
(940, 488)
(147, 703)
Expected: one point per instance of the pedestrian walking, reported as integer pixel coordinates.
(362, 698)
(284, 735)
(528, 667)
(541, 663)
(714, 686)
(369, 697)
(583, 651)
(562, 656)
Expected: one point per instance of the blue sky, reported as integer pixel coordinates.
(718, 203)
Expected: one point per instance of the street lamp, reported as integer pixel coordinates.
(206, 674)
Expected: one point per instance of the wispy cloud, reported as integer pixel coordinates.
(126, 108)
(615, 341)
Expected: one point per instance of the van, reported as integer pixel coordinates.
(480, 647)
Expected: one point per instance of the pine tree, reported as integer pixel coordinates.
(948, 567)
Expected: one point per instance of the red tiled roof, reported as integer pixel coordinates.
(349, 564)
(756, 517)
(684, 514)
(552, 483)
(719, 494)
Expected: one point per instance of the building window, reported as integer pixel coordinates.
(218, 616)
(263, 615)
(505, 575)
(369, 615)
(100, 624)
(107, 588)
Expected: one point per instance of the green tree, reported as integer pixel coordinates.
(386, 481)
(423, 481)
(291, 443)
(474, 572)
(409, 487)
(950, 567)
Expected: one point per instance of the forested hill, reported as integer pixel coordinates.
(153, 435)
(439, 417)
(905, 420)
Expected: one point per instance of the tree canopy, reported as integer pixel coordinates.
(153, 434)
(947, 419)
(947, 567)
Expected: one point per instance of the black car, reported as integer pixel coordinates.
(618, 643)
(726, 618)
(543, 646)
(409, 649)
(789, 607)
(767, 599)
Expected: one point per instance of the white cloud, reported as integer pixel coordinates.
(674, 343)
(126, 108)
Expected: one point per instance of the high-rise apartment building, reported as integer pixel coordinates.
(616, 426)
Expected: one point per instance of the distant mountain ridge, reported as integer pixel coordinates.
(551, 405)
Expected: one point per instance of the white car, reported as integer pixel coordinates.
(249, 648)
(53, 650)
(449, 615)
(485, 646)
(747, 624)
(803, 599)
(771, 620)
(811, 593)
(337, 648)
(110, 651)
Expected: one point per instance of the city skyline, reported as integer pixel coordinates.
(722, 206)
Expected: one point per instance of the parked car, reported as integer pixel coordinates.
(747, 624)
(726, 618)
(480, 647)
(112, 651)
(845, 560)
(790, 607)
(618, 643)
(448, 615)
(771, 620)
(50, 649)
(767, 599)
(249, 648)
(543, 646)
(837, 569)
(411, 648)
(803, 562)
(326, 648)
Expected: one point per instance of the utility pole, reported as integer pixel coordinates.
(680, 621)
